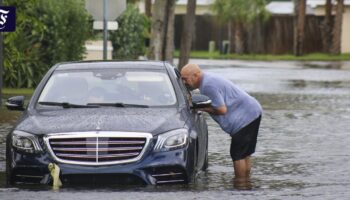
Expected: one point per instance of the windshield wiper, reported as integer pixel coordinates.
(119, 104)
(66, 104)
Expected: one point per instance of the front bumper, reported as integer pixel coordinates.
(176, 166)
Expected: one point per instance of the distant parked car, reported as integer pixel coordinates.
(109, 122)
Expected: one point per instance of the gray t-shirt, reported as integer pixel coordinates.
(241, 107)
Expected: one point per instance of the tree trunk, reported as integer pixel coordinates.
(148, 8)
(157, 30)
(162, 31)
(231, 37)
(337, 28)
(327, 27)
(187, 33)
(1, 63)
(168, 48)
(239, 42)
(299, 31)
(256, 35)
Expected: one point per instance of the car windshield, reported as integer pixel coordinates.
(109, 87)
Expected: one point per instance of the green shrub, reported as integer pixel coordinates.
(129, 40)
(22, 47)
(47, 32)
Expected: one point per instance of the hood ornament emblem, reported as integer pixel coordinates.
(98, 127)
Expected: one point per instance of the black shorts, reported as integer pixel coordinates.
(243, 142)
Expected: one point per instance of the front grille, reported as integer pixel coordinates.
(97, 148)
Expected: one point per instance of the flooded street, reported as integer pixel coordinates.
(303, 149)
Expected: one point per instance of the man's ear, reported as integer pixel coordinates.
(196, 74)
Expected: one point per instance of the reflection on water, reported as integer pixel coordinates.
(331, 65)
(318, 84)
(302, 151)
(7, 120)
(2, 179)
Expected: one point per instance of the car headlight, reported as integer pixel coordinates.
(172, 140)
(25, 142)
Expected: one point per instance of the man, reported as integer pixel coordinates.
(237, 113)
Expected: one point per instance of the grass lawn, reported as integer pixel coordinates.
(17, 91)
(265, 57)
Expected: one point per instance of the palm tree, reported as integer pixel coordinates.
(187, 32)
(337, 28)
(299, 26)
(327, 27)
(240, 13)
(1, 63)
(148, 6)
(162, 31)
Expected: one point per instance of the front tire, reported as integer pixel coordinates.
(206, 160)
(8, 170)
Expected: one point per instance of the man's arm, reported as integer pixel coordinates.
(215, 111)
(218, 106)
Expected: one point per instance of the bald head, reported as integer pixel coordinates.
(191, 74)
(190, 69)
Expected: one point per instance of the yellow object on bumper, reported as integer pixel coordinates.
(55, 174)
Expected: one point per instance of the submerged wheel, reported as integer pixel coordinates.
(206, 161)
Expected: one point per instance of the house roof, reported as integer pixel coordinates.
(311, 3)
(199, 2)
(316, 3)
(275, 7)
(285, 8)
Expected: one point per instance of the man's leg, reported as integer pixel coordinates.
(242, 178)
(240, 167)
(248, 165)
(242, 144)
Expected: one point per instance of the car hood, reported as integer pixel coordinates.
(149, 120)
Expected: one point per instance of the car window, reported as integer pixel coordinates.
(152, 88)
(184, 89)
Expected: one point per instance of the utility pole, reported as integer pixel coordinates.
(105, 30)
(1, 61)
(105, 12)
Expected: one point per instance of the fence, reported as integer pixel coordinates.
(274, 36)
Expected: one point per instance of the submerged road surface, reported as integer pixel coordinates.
(303, 149)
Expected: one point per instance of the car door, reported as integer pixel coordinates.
(199, 125)
(201, 129)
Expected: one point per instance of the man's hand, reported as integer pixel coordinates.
(215, 111)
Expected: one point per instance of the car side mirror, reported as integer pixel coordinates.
(200, 101)
(15, 103)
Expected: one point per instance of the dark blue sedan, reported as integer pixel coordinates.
(109, 122)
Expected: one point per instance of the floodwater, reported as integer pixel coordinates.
(303, 149)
